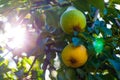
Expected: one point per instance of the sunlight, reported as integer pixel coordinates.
(106, 1)
(6, 54)
(12, 64)
(47, 73)
(118, 55)
(117, 6)
(15, 36)
(109, 26)
(2, 18)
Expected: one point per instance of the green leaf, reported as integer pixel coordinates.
(3, 1)
(106, 32)
(91, 49)
(37, 74)
(86, 4)
(39, 20)
(97, 26)
(81, 72)
(82, 5)
(70, 74)
(76, 41)
(98, 4)
(1, 60)
(19, 73)
(115, 1)
(52, 18)
(22, 14)
(1, 77)
(90, 77)
(116, 66)
(114, 44)
(108, 76)
(3, 69)
(61, 75)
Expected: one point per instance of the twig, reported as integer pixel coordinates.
(47, 61)
(56, 49)
(50, 6)
(95, 17)
(32, 64)
(8, 52)
(117, 22)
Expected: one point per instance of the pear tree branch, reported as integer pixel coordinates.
(95, 18)
(117, 22)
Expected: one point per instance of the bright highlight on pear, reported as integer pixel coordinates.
(72, 20)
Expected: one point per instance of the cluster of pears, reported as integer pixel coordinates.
(73, 20)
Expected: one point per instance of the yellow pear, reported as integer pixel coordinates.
(73, 56)
(72, 20)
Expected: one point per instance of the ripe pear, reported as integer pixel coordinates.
(73, 56)
(72, 20)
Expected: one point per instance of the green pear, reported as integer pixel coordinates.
(72, 20)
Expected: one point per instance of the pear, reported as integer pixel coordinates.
(72, 20)
(74, 56)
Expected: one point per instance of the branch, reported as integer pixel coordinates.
(95, 17)
(50, 6)
(64, 4)
(32, 64)
(117, 22)
(9, 50)
(56, 49)
(47, 61)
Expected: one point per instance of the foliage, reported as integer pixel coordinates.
(45, 40)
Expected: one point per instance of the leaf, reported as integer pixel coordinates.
(86, 4)
(90, 77)
(61, 75)
(3, 1)
(70, 74)
(19, 73)
(114, 44)
(80, 72)
(93, 11)
(115, 1)
(90, 49)
(109, 76)
(52, 18)
(106, 32)
(1, 77)
(1, 60)
(116, 66)
(8, 6)
(82, 5)
(98, 4)
(22, 14)
(76, 41)
(37, 74)
(97, 26)
(4, 68)
(40, 20)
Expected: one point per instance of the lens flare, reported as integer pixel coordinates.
(98, 45)
(15, 36)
